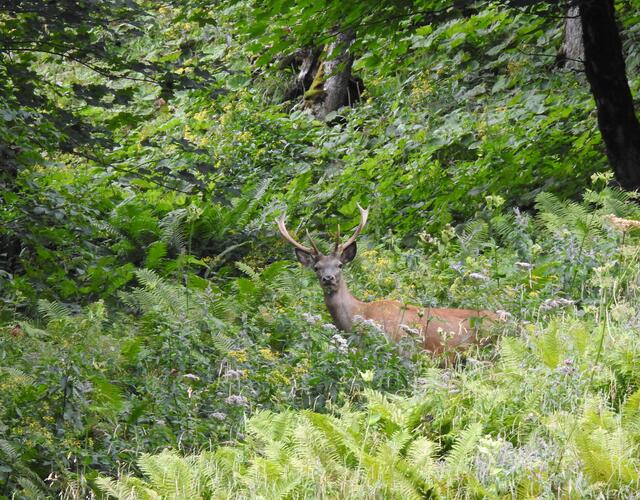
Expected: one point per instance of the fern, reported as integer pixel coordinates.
(513, 355)
(174, 229)
(9, 452)
(32, 485)
(248, 270)
(550, 347)
(53, 311)
(558, 216)
(421, 457)
(17, 376)
(631, 414)
(473, 236)
(460, 454)
(170, 474)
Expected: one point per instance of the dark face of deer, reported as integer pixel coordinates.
(328, 268)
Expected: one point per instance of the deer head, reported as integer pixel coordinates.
(328, 268)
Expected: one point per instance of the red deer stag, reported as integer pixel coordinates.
(442, 330)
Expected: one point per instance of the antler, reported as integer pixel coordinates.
(313, 243)
(285, 234)
(364, 213)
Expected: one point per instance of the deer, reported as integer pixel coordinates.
(440, 330)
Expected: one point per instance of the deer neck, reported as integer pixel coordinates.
(342, 306)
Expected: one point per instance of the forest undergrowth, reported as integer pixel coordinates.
(158, 340)
(285, 405)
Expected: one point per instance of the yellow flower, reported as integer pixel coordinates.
(268, 354)
(201, 115)
(277, 377)
(240, 356)
(189, 135)
(301, 367)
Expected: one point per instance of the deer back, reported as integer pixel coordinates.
(439, 329)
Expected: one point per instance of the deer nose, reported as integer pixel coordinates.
(328, 278)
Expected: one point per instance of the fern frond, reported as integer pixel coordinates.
(169, 474)
(513, 354)
(9, 452)
(174, 228)
(631, 414)
(53, 311)
(248, 270)
(474, 235)
(550, 347)
(461, 452)
(421, 456)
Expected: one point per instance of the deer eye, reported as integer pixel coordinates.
(339, 265)
(316, 267)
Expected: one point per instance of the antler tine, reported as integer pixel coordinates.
(336, 248)
(313, 243)
(364, 213)
(285, 234)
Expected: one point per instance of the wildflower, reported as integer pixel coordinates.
(340, 343)
(503, 315)
(494, 201)
(311, 318)
(623, 224)
(566, 367)
(268, 354)
(236, 400)
(367, 375)
(189, 392)
(479, 276)
(329, 326)
(524, 265)
(368, 322)
(238, 355)
(218, 415)
(191, 376)
(456, 266)
(427, 238)
(555, 303)
(521, 219)
(408, 329)
(233, 373)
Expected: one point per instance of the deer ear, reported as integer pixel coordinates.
(349, 253)
(306, 259)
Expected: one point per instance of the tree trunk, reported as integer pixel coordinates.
(605, 69)
(571, 54)
(330, 89)
(305, 62)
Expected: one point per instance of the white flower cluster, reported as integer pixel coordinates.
(503, 315)
(555, 303)
(329, 326)
(368, 322)
(340, 343)
(236, 400)
(218, 415)
(408, 329)
(233, 373)
(479, 276)
(524, 265)
(311, 318)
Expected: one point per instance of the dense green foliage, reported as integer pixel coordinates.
(146, 303)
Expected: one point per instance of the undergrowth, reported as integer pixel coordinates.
(158, 341)
(550, 408)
